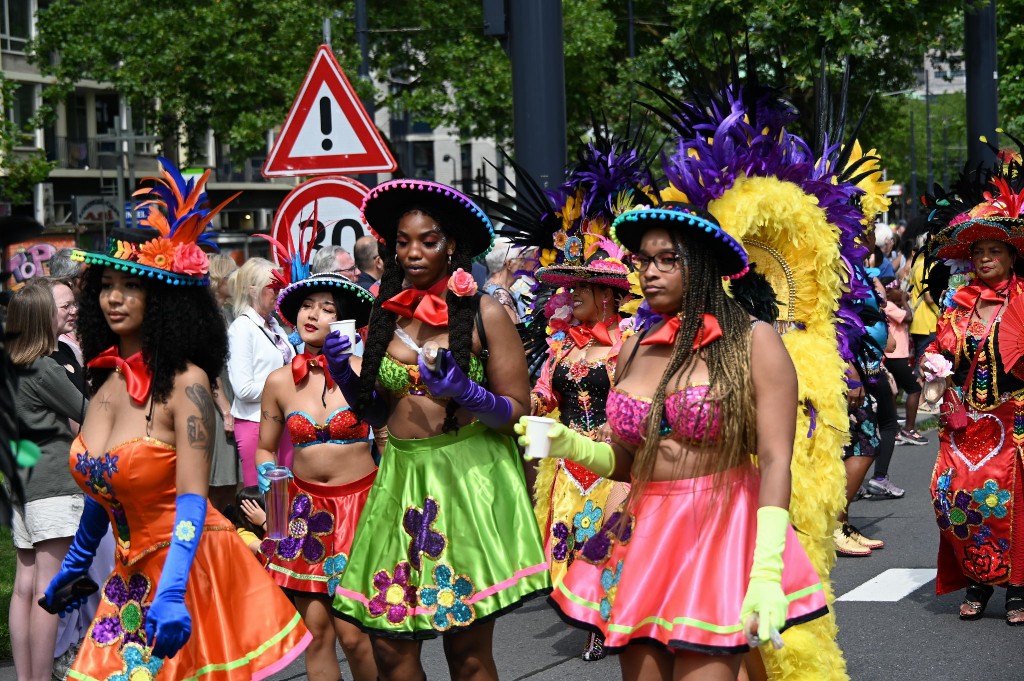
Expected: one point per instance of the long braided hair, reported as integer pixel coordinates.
(382, 322)
(729, 375)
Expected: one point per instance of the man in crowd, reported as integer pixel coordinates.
(369, 262)
(335, 259)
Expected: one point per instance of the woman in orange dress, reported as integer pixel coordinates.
(184, 599)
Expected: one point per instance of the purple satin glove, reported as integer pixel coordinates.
(491, 410)
(338, 350)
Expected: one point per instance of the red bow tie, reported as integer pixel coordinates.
(301, 364)
(427, 306)
(666, 333)
(136, 374)
(968, 296)
(583, 334)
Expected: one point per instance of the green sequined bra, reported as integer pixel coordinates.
(402, 380)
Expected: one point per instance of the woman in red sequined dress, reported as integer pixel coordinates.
(332, 466)
(976, 485)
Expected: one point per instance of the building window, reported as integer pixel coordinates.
(23, 106)
(423, 160)
(15, 24)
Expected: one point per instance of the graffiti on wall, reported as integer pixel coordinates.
(31, 258)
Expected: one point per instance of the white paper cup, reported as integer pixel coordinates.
(347, 328)
(537, 428)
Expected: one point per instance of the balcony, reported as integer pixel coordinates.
(88, 153)
(247, 171)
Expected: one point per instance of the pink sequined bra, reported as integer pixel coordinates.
(689, 416)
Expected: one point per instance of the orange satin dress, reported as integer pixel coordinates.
(243, 627)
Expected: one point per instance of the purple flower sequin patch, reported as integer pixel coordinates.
(417, 524)
(126, 625)
(616, 528)
(396, 597)
(305, 527)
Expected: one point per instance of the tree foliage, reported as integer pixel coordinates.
(230, 65)
(235, 65)
(21, 169)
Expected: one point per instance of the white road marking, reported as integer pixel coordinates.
(892, 585)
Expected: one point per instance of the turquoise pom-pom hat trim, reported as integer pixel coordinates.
(357, 300)
(688, 221)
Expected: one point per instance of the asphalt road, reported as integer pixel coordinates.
(917, 637)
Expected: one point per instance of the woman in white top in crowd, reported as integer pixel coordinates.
(257, 345)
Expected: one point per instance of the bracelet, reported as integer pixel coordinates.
(852, 384)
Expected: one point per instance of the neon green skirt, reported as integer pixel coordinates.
(447, 538)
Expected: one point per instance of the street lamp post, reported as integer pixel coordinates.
(455, 175)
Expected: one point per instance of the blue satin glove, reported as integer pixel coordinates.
(168, 622)
(91, 529)
(490, 409)
(338, 350)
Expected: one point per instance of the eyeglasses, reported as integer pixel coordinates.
(665, 262)
(348, 269)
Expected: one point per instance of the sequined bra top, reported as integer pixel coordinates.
(689, 416)
(582, 388)
(342, 428)
(402, 380)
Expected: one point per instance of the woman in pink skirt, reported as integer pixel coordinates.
(700, 561)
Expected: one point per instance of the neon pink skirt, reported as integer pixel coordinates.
(675, 574)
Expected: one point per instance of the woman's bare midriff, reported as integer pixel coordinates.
(332, 464)
(415, 417)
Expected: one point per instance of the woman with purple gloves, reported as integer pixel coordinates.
(447, 540)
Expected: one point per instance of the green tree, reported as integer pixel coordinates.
(230, 65)
(19, 170)
(235, 65)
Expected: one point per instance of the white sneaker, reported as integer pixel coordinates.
(884, 488)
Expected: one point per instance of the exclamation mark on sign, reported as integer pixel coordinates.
(325, 122)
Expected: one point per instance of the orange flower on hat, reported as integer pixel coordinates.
(158, 253)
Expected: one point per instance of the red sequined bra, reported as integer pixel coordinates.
(342, 428)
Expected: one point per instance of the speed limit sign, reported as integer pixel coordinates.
(334, 201)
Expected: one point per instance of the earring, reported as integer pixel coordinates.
(396, 258)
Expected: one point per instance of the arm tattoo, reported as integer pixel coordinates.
(270, 417)
(200, 428)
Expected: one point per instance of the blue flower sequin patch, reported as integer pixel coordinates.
(139, 665)
(449, 599)
(610, 584)
(991, 500)
(586, 521)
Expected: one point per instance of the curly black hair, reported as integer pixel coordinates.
(182, 324)
(461, 313)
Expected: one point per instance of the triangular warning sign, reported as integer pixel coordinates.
(327, 130)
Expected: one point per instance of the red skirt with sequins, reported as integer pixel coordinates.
(975, 488)
(322, 520)
(675, 573)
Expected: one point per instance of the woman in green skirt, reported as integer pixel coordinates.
(446, 542)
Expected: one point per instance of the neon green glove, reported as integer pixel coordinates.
(566, 443)
(764, 590)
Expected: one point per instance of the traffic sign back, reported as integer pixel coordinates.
(327, 130)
